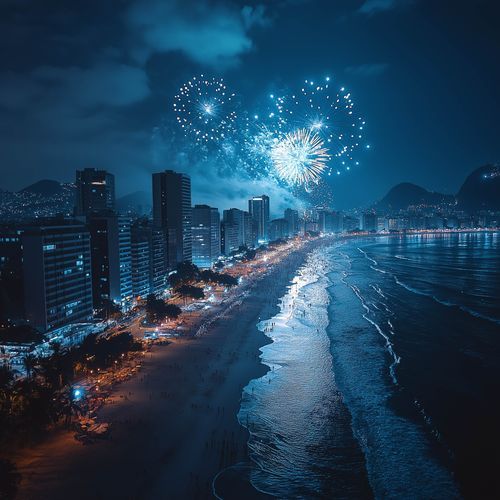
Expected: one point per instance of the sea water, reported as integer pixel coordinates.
(383, 373)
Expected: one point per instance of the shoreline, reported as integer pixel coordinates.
(174, 425)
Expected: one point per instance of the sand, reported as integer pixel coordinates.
(174, 425)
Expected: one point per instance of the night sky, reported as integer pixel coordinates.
(87, 83)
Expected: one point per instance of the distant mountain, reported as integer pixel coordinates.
(403, 195)
(138, 202)
(481, 190)
(44, 188)
(44, 198)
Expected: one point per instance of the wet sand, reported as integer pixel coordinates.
(174, 425)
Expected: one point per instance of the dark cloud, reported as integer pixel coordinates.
(209, 33)
(104, 84)
(370, 7)
(372, 69)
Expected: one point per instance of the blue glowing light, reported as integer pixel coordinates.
(77, 394)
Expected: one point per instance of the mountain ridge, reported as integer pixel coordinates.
(479, 191)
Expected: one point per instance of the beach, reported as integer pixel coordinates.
(174, 425)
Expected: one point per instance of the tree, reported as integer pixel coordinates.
(30, 362)
(209, 276)
(172, 311)
(191, 291)
(110, 309)
(157, 309)
(58, 367)
(6, 381)
(185, 272)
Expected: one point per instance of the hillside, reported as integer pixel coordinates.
(481, 190)
(44, 187)
(406, 194)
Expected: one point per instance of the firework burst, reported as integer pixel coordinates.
(300, 157)
(205, 109)
(330, 114)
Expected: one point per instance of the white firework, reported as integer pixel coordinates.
(300, 158)
(205, 109)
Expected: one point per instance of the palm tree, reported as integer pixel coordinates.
(6, 380)
(30, 362)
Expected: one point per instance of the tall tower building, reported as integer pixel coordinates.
(206, 235)
(238, 228)
(278, 229)
(172, 213)
(111, 259)
(369, 221)
(148, 259)
(57, 276)
(292, 217)
(95, 191)
(141, 259)
(258, 207)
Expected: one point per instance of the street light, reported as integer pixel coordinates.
(77, 394)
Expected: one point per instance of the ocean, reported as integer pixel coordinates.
(384, 373)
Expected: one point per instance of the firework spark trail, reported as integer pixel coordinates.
(205, 109)
(319, 108)
(300, 157)
(294, 139)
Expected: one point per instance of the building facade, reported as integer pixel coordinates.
(172, 213)
(278, 229)
(292, 217)
(258, 208)
(369, 222)
(95, 191)
(148, 259)
(111, 259)
(206, 235)
(141, 258)
(238, 230)
(57, 276)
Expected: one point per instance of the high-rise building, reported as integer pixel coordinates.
(172, 213)
(324, 221)
(141, 259)
(250, 230)
(258, 207)
(111, 259)
(330, 222)
(351, 223)
(148, 259)
(278, 229)
(95, 191)
(57, 275)
(206, 235)
(11, 274)
(238, 230)
(292, 217)
(158, 270)
(125, 259)
(369, 221)
(229, 238)
(311, 219)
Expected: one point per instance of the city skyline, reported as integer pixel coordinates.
(125, 131)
